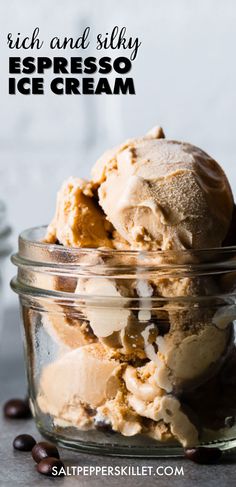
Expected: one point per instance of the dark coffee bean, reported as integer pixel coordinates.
(44, 449)
(16, 409)
(230, 421)
(203, 455)
(24, 442)
(51, 466)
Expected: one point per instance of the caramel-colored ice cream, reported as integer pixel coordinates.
(79, 377)
(79, 221)
(127, 367)
(163, 194)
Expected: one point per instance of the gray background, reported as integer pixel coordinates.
(185, 77)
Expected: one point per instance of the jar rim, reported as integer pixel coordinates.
(37, 296)
(37, 259)
(26, 237)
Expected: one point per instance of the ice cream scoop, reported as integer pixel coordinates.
(163, 194)
(78, 221)
(147, 399)
(80, 376)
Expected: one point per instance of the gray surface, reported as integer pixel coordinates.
(17, 468)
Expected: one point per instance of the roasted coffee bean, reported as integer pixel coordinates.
(24, 442)
(203, 455)
(17, 409)
(44, 449)
(230, 421)
(51, 466)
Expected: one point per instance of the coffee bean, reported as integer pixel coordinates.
(44, 449)
(24, 442)
(230, 421)
(16, 409)
(46, 465)
(203, 455)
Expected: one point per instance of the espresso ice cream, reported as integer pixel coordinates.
(138, 371)
(163, 194)
(78, 221)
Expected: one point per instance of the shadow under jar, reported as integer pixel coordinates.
(128, 352)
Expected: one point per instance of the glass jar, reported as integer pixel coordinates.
(129, 352)
(4, 251)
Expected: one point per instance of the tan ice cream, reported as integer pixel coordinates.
(79, 221)
(163, 194)
(104, 321)
(125, 366)
(65, 329)
(81, 377)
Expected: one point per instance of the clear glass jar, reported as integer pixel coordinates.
(128, 352)
(4, 251)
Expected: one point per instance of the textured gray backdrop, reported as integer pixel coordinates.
(185, 80)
